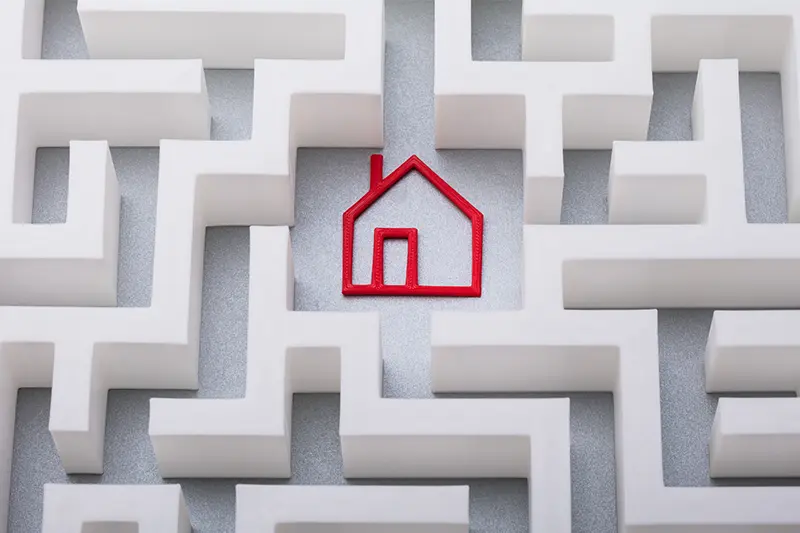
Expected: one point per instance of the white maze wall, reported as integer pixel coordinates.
(679, 238)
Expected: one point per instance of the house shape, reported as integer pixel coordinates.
(377, 187)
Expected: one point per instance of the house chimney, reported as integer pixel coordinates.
(375, 170)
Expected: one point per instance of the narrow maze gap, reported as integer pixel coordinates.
(687, 411)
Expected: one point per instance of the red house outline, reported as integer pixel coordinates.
(377, 187)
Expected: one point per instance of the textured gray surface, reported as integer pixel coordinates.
(328, 181)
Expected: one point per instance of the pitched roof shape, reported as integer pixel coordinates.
(378, 187)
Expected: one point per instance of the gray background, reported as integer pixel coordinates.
(329, 181)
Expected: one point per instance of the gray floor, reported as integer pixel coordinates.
(328, 181)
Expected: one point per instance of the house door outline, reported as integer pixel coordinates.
(381, 235)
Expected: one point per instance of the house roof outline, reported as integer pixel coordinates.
(378, 187)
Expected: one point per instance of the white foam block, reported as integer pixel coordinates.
(271, 509)
(243, 30)
(106, 508)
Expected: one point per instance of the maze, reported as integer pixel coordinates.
(678, 237)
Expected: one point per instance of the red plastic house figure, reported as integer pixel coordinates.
(377, 187)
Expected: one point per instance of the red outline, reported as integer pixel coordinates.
(378, 186)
